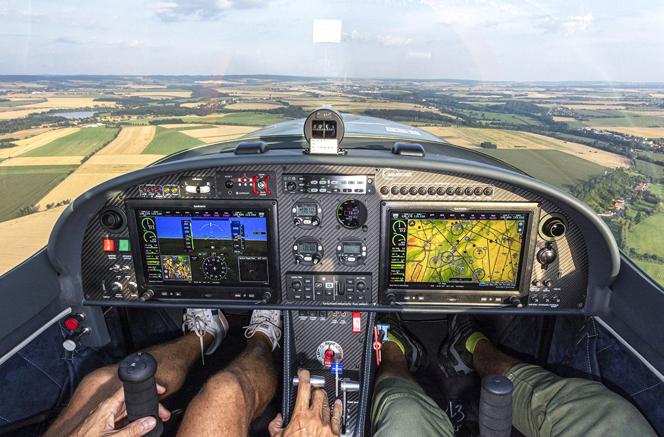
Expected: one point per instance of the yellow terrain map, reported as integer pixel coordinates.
(471, 251)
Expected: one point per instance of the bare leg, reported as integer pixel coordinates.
(174, 359)
(488, 360)
(233, 397)
(393, 363)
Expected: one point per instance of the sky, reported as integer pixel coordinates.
(520, 40)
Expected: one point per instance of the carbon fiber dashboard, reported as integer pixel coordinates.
(112, 277)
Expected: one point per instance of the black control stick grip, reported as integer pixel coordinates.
(137, 375)
(496, 406)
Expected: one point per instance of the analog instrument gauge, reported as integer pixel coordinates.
(214, 268)
(351, 214)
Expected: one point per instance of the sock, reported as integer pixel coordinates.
(473, 339)
(396, 341)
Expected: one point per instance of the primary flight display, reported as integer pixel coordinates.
(456, 250)
(204, 247)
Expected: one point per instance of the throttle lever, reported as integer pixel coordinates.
(137, 375)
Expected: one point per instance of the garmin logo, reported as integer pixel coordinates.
(392, 174)
(200, 206)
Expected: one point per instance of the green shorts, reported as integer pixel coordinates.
(543, 404)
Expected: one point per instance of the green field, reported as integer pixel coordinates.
(24, 186)
(626, 121)
(247, 118)
(14, 103)
(557, 168)
(654, 269)
(647, 236)
(167, 141)
(649, 169)
(499, 117)
(657, 190)
(82, 143)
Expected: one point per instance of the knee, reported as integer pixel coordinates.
(100, 377)
(226, 385)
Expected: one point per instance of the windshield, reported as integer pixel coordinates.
(566, 91)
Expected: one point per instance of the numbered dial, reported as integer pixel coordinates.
(351, 252)
(214, 268)
(307, 251)
(351, 214)
(307, 214)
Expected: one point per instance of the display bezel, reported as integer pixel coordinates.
(525, 271)
(211, 291)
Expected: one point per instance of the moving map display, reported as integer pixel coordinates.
(456, 250)
(204, 247)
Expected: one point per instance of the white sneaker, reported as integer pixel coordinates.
(266, 321)
(202, 320)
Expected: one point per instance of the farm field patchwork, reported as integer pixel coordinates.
(239, 118)
(552, 166)
(130, 140)
(31, 143)
(647, 132)
(84, 142)
(508, 139)
(219, 133)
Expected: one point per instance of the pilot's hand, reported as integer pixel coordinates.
(309, 421)
(102, 420)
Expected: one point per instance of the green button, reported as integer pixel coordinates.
(123, 245)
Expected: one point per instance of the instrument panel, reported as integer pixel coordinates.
(333, 235)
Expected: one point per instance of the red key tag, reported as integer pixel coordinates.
(377, 345)
(357, 322)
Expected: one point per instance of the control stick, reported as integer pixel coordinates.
(137, 375)
(496, 406)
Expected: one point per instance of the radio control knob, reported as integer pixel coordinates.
(149, 294)
(360, 286)
(296, 285)
(413, 191)
(116, 287)
(394, 190)
(403, 191)
(291, 186)
(132, 287)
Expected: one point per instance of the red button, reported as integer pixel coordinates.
(109, 245)
(357, 322)
(71, 324)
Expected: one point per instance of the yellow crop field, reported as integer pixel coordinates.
(27, 133)
(647, 132)
(219, 133)
(507, 139)
(94, 171)
(24, 146)
(34, 230)
(59, 102)
(130, 140)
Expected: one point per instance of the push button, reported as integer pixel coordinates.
(108, 245)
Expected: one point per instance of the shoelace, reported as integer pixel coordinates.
(274, 334)
(197, 325)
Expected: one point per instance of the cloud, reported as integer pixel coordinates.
(201, 10)
(382, 40)
(567, 26)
